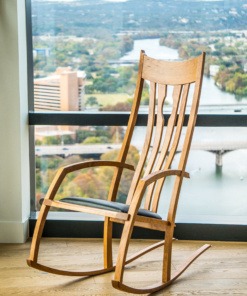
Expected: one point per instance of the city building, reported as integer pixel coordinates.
(62, 91)
(41, 52)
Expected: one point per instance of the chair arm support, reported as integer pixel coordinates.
(144, 182)
(62, 172)
(161, 174)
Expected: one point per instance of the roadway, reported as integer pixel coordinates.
(208, 139)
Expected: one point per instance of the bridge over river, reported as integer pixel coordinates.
(215, 140)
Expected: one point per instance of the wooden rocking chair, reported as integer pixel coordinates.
(156, 159)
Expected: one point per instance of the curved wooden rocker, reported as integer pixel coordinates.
(156, 159)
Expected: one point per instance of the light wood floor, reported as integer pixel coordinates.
(222, 270)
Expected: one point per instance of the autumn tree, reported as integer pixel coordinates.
(106, 173)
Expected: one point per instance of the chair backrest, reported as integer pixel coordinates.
(162, 138)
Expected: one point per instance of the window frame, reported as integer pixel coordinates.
(62, 228)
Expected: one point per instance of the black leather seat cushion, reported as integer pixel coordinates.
(107, 205)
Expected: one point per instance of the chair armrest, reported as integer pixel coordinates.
(63, 171)
(161, 174)
(94, 163)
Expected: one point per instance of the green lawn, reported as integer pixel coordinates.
(109, 99)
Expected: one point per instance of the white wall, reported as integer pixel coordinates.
(14, 149)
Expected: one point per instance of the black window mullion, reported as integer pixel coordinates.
(121, 119)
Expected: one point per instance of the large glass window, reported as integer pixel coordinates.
(63, 145)
(85, 56)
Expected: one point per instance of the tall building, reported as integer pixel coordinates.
(62, 91)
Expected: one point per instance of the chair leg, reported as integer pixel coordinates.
(122, 253)
(37, 235)
(107, 244)
(167, 256)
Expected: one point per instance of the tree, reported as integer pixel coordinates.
(127, 44)
(38, 142)
(81, 135)
(52, 140)
(96, 140)
(67, 140)
(121, 106)
(106, 173)
(237, 84)
(92, 101)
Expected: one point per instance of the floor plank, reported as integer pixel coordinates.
(222, 270)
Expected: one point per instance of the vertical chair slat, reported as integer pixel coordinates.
(146, 146)
(162, 93)
(168, 136)
(159, 129)
(170, 127)
(179, 124)
(174, 144)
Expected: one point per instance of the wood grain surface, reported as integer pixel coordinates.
(222, 270)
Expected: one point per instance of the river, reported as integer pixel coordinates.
(211, 195)
(211, 94)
